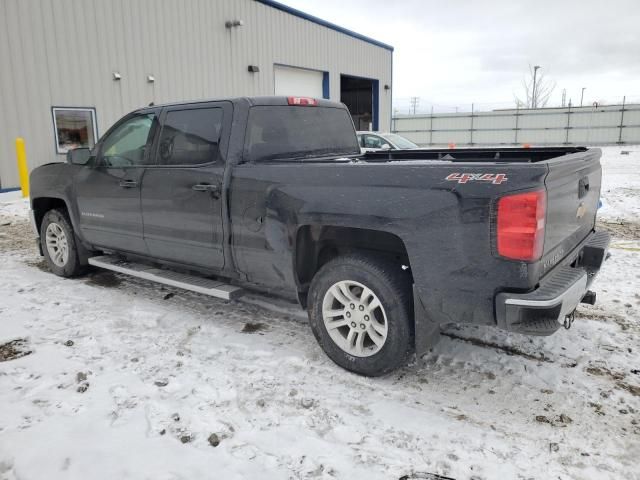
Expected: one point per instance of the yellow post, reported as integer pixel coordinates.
(23, 171)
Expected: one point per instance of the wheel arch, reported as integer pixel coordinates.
(317, 244)
(42, 205)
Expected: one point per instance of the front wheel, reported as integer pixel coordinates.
(59, 244)
(360, 313)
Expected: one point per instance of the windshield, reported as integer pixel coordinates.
(288, 132)
(400, 142)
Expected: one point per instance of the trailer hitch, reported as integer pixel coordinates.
(589, 298)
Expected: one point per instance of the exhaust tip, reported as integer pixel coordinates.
(589, 298)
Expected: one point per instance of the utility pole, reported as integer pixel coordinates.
(415, 101)
(624, 100)
(431, 127)
(582, 95)
(534, 100)
(564, 97)
(471, 129)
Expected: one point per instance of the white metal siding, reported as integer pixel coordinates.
(63, 54)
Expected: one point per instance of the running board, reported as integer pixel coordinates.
(206, 286)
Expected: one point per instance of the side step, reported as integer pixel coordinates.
(213, 288)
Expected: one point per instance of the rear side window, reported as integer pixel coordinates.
(190, 137)
(294, 132)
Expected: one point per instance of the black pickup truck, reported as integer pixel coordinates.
(382, 248)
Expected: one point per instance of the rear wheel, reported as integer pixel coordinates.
(59, 244)
(360, 313)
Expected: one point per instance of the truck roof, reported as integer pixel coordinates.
(275, 100)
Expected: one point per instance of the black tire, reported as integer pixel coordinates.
(392, 286)
(72, 267)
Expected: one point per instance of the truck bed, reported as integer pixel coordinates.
(500, 155)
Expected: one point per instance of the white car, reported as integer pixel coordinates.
(376, 141)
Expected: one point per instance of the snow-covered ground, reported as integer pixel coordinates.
(127, 379)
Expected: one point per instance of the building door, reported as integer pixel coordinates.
(360, 95)
(299, 82)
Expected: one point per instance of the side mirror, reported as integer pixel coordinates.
(79, 156)
(386, 146)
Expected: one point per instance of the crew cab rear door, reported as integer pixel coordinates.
(182, 194)
(573, 192)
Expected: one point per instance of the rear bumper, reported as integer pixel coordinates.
(542, 311)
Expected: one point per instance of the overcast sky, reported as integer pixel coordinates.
(452, 53)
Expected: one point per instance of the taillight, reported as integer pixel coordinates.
(520, 225)
(306, 101)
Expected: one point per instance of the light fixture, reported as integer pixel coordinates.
(233, 23)
(151, 79)
(117, 76)
(253, 68)
(387, 87)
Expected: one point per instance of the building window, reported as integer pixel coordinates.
(74, 128)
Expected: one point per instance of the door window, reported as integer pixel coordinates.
(190, 137)
(126, 146)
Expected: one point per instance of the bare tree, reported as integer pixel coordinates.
(537, 89)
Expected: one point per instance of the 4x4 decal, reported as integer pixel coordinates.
(495, 178)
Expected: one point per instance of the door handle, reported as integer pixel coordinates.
(128, 183)
(206, 187)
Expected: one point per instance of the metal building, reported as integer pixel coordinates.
(70, 68)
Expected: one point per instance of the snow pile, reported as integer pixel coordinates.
(109, 377)
(621, 184)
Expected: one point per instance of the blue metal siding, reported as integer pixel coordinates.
(375, 102)
(325, 85)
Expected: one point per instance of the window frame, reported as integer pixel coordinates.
(223, 142)
(94, 121)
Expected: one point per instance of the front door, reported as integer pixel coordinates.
(181, 195)
(108, 188)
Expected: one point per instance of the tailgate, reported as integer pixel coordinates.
(573, 193)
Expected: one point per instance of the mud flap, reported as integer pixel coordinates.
(83, 252)
(39, 244)
(427, 332)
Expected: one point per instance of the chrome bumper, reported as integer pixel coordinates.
(542, 311)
